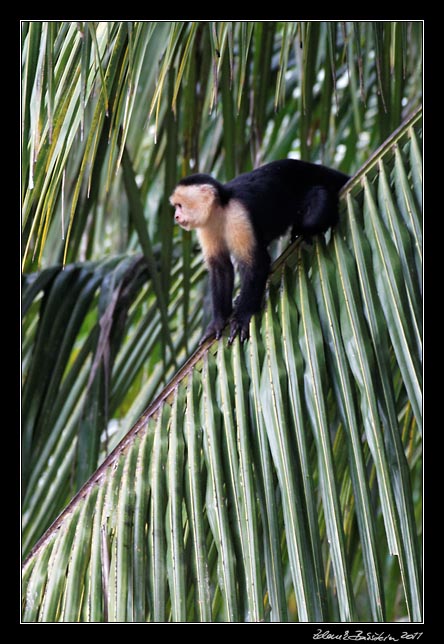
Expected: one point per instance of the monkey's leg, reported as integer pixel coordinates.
(253, 280)
(221, 283)
(320, 211)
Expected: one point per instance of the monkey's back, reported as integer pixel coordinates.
(275, 193)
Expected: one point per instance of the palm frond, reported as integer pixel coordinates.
(264, 475)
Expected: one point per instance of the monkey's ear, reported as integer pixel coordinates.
(207, 199)
(207, 192)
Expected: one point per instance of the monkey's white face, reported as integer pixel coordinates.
(193, 205)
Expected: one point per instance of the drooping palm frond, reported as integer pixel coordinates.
(91, 354)
(275, 480)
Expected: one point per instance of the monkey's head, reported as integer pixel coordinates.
(195, 199)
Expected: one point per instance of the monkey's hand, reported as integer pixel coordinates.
(240, 325)
(214, 329)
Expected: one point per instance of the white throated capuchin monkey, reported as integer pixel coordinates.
(240, 218)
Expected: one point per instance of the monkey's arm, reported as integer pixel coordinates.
(253, 279)
(221, 283)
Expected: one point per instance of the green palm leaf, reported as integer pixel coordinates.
(239, 491)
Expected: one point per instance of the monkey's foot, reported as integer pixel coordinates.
(214, 329)
(240, 327)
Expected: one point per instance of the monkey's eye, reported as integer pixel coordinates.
(179, 205)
